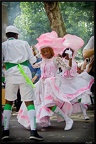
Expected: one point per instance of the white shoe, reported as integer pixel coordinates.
(86, 117)
(69, 124)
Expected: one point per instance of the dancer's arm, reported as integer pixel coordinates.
(60, 63)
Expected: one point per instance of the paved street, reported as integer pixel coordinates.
(82, 131)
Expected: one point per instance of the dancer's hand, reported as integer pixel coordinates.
(69, 52)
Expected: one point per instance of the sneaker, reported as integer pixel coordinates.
(5, 135)
(69, 124)
(34, 135)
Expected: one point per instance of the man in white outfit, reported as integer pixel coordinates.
(16, 53)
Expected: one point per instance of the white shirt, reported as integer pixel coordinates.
(17, 51)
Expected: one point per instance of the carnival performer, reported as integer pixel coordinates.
(76, 86)
(15, 56)
(49, 98)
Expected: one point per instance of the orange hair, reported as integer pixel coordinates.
(49, 49)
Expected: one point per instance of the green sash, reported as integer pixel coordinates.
(28, 80)
(8, 65)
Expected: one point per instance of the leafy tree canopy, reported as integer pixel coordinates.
(31, 19)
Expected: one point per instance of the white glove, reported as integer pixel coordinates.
(69, 52)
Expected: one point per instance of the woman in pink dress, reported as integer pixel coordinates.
(48, 101)
(76, 87)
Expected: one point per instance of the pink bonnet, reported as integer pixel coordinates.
(52, 40)
(73, 42)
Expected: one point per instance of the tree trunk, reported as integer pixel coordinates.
(4, 21)
(56, 22)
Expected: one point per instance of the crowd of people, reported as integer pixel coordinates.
(48, 79)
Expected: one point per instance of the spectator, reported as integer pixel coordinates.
(36, 72)
(88, 52)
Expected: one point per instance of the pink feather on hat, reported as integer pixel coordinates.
(50, 39)
(52, 34)
(73, 42)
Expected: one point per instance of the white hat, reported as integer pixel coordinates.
(13, 29)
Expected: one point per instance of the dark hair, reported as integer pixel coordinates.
(11, 34)
(64, 54)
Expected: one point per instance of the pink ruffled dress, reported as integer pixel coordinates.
(47, 95)
(76, 87)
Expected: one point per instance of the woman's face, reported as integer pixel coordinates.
(46, 53)
(67, 57)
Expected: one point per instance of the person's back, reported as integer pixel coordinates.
(16, 51)
(15, 56)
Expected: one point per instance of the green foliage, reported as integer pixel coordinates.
(13, 9)
(78, 18)
(31, 19)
